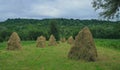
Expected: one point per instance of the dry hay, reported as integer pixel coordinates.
(41, 42)
(14, 42)
(63, 40)
(44, 38)
(84, 46)
(70, 40)
(52, 41)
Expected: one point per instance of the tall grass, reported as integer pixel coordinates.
(108, 43)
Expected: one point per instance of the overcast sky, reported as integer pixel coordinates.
(38, 9)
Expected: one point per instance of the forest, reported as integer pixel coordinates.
(30, 29)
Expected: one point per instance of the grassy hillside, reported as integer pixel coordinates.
(55, 58)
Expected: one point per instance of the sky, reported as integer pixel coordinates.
(40, 9)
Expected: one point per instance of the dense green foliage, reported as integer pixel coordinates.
(30, 29)
(55, 58)
(54, 29)
(110, 8)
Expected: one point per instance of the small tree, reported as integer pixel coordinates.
(54, 29)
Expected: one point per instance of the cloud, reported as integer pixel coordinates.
(47, 9)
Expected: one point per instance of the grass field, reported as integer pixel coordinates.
(55, 57)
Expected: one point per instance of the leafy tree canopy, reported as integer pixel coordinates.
(110, 8)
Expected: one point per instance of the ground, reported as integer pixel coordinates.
(55, 58)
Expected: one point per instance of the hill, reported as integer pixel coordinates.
(30, 29)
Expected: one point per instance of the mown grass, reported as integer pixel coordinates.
(55, 58)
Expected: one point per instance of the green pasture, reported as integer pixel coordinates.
(55, 57)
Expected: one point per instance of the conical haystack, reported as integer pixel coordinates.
(14, 42)
(63, 40)
(70, 40)
(52, 41)
(84, 46)
(41, 42)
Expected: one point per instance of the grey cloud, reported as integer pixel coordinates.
(46, 9)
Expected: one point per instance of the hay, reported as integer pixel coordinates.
(41, 42)
(63, 40)
(70, 40)
(52, 41)
(14, 42)
(44, 38)
(84, 46)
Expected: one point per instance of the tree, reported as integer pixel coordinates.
(54, 29)
(110, 8)
(1, 39)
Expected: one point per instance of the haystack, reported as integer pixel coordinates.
(41, 42)
(84, 46)
(52, 41)
(63, 40)
(70, 40)
(14, 42)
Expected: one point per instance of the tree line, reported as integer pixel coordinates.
(30, 29)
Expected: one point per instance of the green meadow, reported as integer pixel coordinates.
(55, 57)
